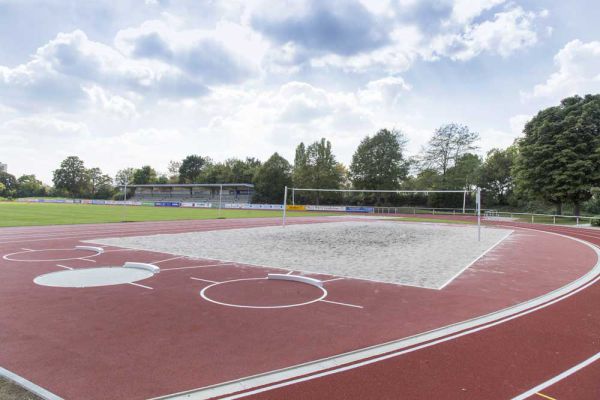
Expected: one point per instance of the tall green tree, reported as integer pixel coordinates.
(124, 176)
(378, 162)
(10, 184)
(495, 175)
(144, 175)
(71, 177)
(559, 156)
(192, 169)
(30, 186)
(315, 167)
(448, 143)
(99, 184)
(271, 178)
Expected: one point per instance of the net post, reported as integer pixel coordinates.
(293, 196)
(478, 206)
(464, 200)
(220, 198)
(284, 205)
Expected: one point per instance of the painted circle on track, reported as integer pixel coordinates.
(262, 293)
(50, 255)
(92, 277)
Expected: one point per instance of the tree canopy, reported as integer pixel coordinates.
(270, 179)
(378, 162)
(71, 176)
(448, 143)
(559, 156)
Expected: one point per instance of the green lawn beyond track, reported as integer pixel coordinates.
(30, 214)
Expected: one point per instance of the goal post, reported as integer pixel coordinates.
(464, 192)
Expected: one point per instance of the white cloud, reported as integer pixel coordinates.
(509, 31)
(116, 105)
(465, 10)
(578, 65)
(385, 91)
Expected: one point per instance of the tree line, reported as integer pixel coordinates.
(556, 163)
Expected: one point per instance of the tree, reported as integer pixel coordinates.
(448, 143)
(29, 186)
(316, 167)
(100, 185)
(71, 176)
(173, 169)
(144, 175)
(192, 168)
(242, 171)
(378, 162)
(271, 178)
(2, 189)
(10, 184)
(124, 176)
(495, 175)
(559, 156)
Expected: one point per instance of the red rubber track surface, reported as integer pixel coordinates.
(126, 342)
(500, 362)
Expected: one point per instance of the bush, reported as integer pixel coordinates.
(596, 222)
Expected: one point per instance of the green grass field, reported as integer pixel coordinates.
(32, 214)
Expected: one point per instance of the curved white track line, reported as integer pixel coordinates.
(372, 354)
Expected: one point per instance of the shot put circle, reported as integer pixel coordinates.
(205, 295)
(15, 256)
(92, 277)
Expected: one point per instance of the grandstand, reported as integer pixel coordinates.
(193, 192)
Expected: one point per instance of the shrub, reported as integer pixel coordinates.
(596, 222)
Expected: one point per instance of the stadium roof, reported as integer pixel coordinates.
(187, 185)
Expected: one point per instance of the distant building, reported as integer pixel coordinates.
(3, 167)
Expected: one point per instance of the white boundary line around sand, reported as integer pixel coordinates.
(32, 387)
(354, 359)
(475, 260)
(558, 377)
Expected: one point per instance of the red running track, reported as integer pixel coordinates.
(500, 362)
(129, 342)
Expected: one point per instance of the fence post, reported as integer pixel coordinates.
(532, 219)
(577, 221)
(554, 220)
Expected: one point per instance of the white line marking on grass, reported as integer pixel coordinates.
(558, 377)
(195, 266)
(137, 284)
(203, 280)
(63, 266)
(341, 304)
(168, 259)
(475, 260)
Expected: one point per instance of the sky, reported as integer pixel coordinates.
(128, 83)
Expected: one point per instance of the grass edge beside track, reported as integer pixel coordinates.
(42, 214)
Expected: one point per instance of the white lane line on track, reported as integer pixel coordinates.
(26, 249)
(358, 358)
(203, 280)
(167, 259)
(289, 273)
(341, 304)
(195, 266)
(63, 266)
(558, 377)
(143, 286)
(85, 259)
(333, 279)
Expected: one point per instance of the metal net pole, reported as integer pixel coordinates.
(284, 205)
